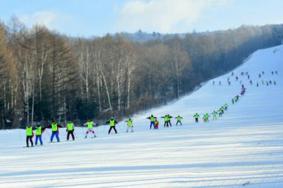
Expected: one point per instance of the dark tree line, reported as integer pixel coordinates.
(45, 75)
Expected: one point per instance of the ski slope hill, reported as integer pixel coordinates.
(244, 148)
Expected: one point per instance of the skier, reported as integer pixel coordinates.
(112, 123)
(165, 119)
(214, 114)
(38, 134)
(179, 120)
(221, 111)
(213, 82)
(130, 125)
(237, 98)
(55, 131)
(70, 130)
(196, 116)
(29, 135)
(169, 117)
(90, 125)
(206, 117)
(219, 83)
(226, 106)
(243, 91)
(152, 121)
(156, 123)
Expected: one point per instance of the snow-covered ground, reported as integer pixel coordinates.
(242, 149)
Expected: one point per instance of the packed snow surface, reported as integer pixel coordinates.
(244, 148)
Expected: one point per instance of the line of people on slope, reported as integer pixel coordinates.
(219, 112)
(38, 130)
(154, 123)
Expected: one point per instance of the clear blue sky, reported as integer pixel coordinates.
(98, 17)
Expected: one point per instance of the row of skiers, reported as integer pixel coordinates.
(70, 128)
(219, 112)
(215, 114)
(154, 123)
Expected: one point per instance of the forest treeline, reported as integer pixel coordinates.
(45, 75)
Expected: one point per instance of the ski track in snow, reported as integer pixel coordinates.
(242, 149)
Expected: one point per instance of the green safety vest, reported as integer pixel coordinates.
(152, 118)
(196, 116)
(29, 131)
(54, 127)
(38, 131)
(70, 126)
(166, 118)
(130, 123)
(206, 116)
(112, 123)
(89, 124)
(179, 118)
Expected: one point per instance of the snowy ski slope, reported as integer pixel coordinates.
(242, 149)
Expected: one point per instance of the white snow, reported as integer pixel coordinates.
(242, 149)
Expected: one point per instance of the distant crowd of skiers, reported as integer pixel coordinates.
(260, 80)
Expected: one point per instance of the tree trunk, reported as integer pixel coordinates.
(107, 91)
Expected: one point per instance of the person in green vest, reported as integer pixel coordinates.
(29, 135)
(130, 125)
(179, 120)
(90, 125)
(214, 114)
(112, 125)
(196, 116)
(206, 117)
(169, 117)
(38, 134)
(167, 120)
(152, 121)
(55, 131)
(70, 128)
